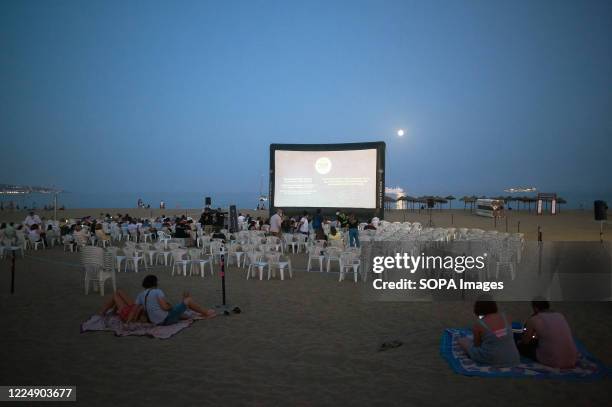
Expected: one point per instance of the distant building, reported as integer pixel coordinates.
(396, 193)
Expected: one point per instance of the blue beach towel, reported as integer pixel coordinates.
(587, 368)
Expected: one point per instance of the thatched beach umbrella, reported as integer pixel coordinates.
(388, 201)
(450, 200)
(528, 200)
(410, 199)
(439, 200)
(561, 201)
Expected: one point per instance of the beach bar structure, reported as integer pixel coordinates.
(7, 189)
(542, 199)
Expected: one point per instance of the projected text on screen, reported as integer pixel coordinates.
(325, 179)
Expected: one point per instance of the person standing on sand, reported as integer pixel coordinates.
(276, 222)
(303, 224)
(317, 222)
(353, 228)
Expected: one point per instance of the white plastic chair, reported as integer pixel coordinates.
(349, 262)
(160, 251)
(314, 253)
(35, 243)
(178, 261)
(332, 254)
(68, 243)
(132, 258)
(98, 267)
(195, 258)
(256, 262)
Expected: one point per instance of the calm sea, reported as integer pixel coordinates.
(241, 200)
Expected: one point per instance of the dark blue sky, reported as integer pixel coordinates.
(118, 96)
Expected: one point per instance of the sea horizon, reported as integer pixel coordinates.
(245, 200)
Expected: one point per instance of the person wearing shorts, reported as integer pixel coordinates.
(159, 311)
(123, 305)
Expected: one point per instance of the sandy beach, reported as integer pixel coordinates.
(308, 341)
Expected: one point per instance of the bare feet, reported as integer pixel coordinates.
(209, 314)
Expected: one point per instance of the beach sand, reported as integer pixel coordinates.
(309, 341)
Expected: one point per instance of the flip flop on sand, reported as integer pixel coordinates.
(390, 345)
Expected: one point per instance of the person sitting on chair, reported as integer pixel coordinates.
(159, 311)
(100, 233)
(334, 234)
(547, 337)
(36, 235)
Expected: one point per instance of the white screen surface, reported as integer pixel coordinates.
(325, 179)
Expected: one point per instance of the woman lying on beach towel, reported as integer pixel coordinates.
(493, 338)
(159, 311)
(123, 306)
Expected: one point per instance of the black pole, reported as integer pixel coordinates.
(506, 224)
(518, 226)
(13, 274)
(223, 277)
(539, 233)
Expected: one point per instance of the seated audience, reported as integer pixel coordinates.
(100, 233)
(49, 235)
(35, 234)
(159, 311)
(320, 234)
(334, 234)
(493, 342)
(547, 337)
(32, 219)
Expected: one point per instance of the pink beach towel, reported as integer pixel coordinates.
(111, 322)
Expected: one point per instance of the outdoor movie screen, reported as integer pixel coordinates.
(325, 179)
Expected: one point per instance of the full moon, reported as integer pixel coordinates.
(400, 133)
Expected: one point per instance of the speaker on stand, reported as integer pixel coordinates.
(600, 209)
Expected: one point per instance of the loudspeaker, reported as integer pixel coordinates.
(233, 220)
(600, 208)
(207, 201)
(430, 203)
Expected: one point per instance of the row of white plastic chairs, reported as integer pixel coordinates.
(503, 249)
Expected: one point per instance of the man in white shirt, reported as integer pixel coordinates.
(375, 221)
(32, 219)
(303, 227)
(276, 221)
(241, 222)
